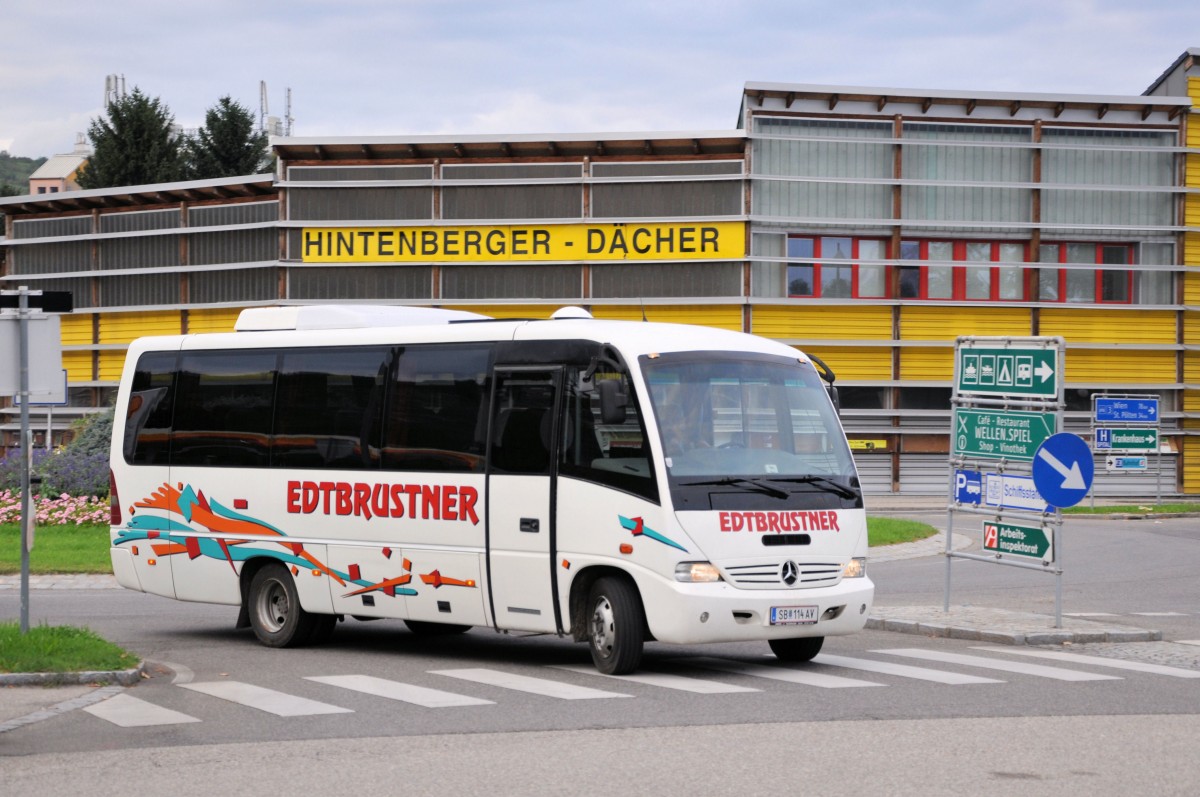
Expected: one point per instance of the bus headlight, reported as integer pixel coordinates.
(855, 568)
(697, 572)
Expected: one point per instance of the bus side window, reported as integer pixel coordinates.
(224, 408)
(612, 454)
(328, 408)
(436, 417)
(147, 439)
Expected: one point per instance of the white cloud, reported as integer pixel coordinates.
(379, 67)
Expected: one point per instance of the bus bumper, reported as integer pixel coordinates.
(722, 613)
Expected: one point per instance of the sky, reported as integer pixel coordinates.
(462, 67)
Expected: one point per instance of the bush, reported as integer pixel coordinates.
(79, 468)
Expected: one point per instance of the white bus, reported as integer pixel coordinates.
(610, 481)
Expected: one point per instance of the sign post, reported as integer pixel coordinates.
(1007, 408)
(24, 300)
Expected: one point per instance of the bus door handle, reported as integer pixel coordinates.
(529, 524)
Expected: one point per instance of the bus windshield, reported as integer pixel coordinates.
(756, 425)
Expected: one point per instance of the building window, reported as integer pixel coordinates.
(828, 267)
(1079, 281)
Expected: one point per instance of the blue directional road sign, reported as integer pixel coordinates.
(1063, 469)
(1126, 410)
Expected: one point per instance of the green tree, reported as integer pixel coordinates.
(133, 144)
(228, 145)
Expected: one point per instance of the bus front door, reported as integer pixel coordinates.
(520, 499)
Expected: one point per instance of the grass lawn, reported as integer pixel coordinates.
(59, 649)
(57, 549)
(890, 531)
(1148, 508)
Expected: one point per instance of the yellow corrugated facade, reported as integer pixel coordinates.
(1109, 326)
(927, 364)
(714, 315)
(939, 322)
(221, 320)
(78, 365)
(813, 322)
(1191, 297)
(855, 363)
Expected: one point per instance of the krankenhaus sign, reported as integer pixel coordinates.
(523, 242)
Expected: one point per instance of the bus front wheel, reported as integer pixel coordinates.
(799, 649)
(616, 627)
(275, 613)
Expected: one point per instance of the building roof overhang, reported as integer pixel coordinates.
(967, 101)
(259, 185)
(492, 147)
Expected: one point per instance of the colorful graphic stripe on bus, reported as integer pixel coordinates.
(637, 526)
(168, 536)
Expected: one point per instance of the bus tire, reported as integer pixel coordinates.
(616, 626)
(797, 649)
(275, 613)
(427, 628)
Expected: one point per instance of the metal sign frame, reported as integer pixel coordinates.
(1026, 378)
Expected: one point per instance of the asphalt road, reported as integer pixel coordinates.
(949, 725)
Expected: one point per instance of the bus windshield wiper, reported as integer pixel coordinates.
(822, 482)
(758, 486)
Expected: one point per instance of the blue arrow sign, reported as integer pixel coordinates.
(1127, 410)
(1063, 469)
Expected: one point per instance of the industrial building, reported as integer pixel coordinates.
(870, 227)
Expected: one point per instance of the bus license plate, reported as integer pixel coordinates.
(793, 615)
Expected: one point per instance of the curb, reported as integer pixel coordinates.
(118, 677)
(1055, 636)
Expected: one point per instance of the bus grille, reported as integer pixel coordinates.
(770, 575)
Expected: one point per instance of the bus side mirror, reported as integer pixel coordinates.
(833, 396)
(612, 401)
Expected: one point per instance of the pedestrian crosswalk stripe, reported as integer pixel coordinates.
(996, 664)
(131, 712)
(665, 680)
(525, 683)
(1100, 661)
(777, 673)
(267, 700)
(903, 670)
(395, 690)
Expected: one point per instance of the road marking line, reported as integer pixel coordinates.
(995, 664)
(132, 712)
(665, 680)
(268, 700)
(1100, 661)
(903, 670)
(1090, 614)
(395, 690)
(780, 673)
(1159, 614)
(1188, 641)
(524, 683)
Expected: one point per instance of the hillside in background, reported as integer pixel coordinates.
(14, 173)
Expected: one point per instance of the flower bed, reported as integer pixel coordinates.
(62, 510)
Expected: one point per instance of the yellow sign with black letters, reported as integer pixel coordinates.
(511, 242)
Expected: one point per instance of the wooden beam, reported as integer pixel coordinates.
(1012, 109)
(791, 97)
(926, 105)
(366, 150)
(413, 152)
(599, 147)
(1102, 111)
(505, 149)
(834, 99)
(882, 102)
(459, 151)
(648, 148)
(1058, 109)
(1149, 109)
(552, 147)
(970, 107)
(696, 148)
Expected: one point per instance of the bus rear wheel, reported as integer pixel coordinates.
(798, 649)
(616, 626)
(275, 613)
